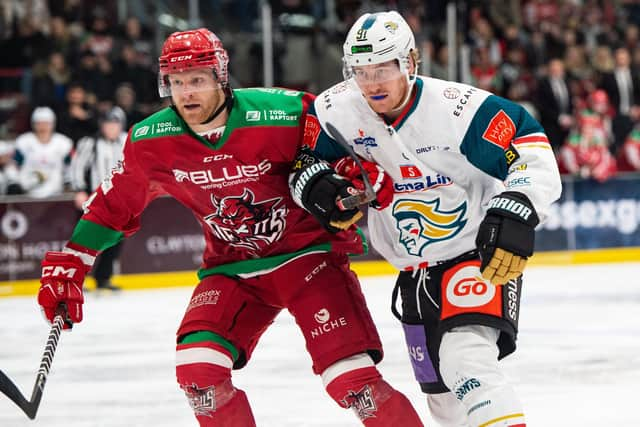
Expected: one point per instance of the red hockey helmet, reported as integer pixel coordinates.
(187, 50)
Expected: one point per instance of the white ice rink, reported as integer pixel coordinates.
(578, 362)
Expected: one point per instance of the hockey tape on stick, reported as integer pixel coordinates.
(30, 407)
(362, 198)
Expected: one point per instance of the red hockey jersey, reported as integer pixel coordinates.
(237, 187)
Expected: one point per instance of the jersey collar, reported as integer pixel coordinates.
(409, 108)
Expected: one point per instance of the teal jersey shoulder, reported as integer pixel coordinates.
(487, 142)
(165, 122)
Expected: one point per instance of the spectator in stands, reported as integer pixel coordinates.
(139, 39)
(555, 104)
(76, 117)
(586, 152)
(96, 73)
(95, 157)
(42, 157)
(62, 40)
(128, 69)
(50, 82)
(485, 74)
(623, 88)
(629, 155)
(125, 98)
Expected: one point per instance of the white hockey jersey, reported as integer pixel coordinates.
(452, 149)
(43, 168)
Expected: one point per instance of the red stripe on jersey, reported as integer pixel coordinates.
(81, 249)
(530, 139)
(206, 344)
(407, 108)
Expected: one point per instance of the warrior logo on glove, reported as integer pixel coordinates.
(506, 237)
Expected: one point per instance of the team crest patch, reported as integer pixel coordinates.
(244, 222)
(362, 402)
(201, 400)
(421, 223)
(501, 130)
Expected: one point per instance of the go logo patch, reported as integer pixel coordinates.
(465, 291)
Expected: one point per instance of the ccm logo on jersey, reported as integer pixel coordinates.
(57, 270)
(510, 205)
(501, 130)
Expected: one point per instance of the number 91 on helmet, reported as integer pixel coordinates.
(191, 50)
(378, 48)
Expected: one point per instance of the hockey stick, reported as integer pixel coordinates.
(369, 194)
(30, 407)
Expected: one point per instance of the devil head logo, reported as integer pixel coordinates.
(244, 222)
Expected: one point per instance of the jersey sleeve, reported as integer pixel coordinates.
(504, 141)
(113, 210)
(318, 139)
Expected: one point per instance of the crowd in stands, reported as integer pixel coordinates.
(574, 64)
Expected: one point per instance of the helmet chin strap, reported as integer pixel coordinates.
(228, 102)
(410, 82)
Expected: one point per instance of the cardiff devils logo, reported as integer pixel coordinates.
(246, 223)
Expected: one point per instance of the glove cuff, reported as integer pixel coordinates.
(514, 205)
(304, 180)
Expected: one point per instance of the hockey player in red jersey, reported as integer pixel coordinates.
(226, 155)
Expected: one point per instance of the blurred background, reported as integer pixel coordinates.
(70, 66)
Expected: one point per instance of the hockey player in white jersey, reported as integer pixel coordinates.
(462, 178)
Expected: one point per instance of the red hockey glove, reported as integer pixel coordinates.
(61, 282)
(380, 180)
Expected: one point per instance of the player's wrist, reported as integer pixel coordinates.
(514, 205)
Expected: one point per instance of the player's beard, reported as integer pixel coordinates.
(197, 109)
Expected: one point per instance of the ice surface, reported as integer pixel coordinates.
(578, 362)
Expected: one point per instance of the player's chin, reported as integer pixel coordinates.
(380, 105)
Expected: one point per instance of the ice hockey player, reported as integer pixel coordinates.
(462, 177)
(226, 155)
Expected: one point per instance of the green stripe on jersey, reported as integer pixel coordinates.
(202, 336)
(253, 265)
(95, 236)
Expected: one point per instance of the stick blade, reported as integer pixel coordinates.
(11, 391)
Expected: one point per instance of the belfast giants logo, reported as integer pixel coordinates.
(245, 223)
(422, 222)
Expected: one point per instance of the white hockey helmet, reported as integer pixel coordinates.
(376, 38)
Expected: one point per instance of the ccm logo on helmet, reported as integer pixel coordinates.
(180, 58)
(57, 270)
